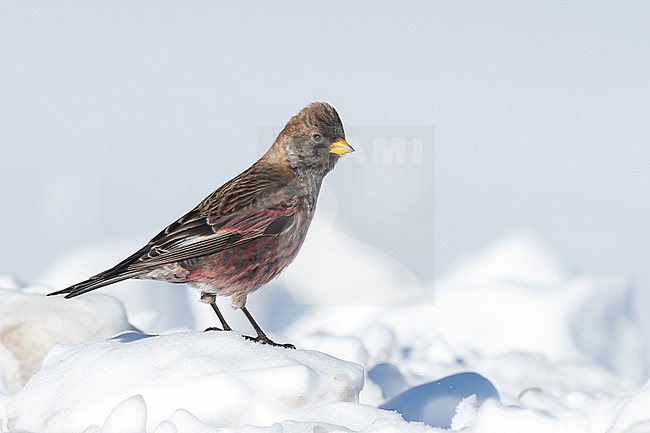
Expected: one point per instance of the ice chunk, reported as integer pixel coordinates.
(466, 412)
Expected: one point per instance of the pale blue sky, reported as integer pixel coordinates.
(117, 117)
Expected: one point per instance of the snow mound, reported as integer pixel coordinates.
(518, 257)
(30, 324)
(136, 381)
(364, 274)
(562, 352)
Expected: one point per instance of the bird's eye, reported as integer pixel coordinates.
(317, 138)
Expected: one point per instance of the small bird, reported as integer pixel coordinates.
(245, 233)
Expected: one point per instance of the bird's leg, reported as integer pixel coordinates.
(261, 336)
(224, 324)
(210, 298)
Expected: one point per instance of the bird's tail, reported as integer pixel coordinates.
(120, 272)
(102, 279)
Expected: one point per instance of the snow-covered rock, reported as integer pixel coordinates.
(30, 324)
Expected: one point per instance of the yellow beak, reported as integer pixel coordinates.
(340, 147)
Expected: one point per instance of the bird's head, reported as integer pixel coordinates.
(313, 140)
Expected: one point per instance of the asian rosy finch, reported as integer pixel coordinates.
(246, 232)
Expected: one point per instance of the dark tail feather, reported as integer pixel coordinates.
(117, 273)
(100, 280)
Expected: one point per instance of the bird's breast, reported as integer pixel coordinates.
(249, 266)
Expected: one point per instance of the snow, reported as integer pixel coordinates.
(214, 383)
(32, 323)
(436, 403)
(509, 341)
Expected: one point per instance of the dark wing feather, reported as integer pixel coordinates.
(230, 216)
(212, 235)
(243, 209)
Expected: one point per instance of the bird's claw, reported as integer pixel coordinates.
(263, 339)
(212, 328)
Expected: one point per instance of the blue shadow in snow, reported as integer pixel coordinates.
(388, 378)
(131, 336)
(434, 403)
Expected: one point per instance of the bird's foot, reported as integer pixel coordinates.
(214, 328)
(263, 339)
